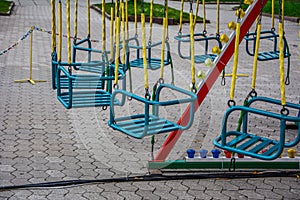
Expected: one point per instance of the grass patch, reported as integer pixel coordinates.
(4, 6)
(158, 10)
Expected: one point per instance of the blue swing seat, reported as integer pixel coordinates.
(198, 37)
(85, 90)
(146, 124)
(267, 55)
(250, 144)
(152, 63)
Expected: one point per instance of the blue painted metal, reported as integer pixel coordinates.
(250, 144)
(146, 124)
(85, 90)
(102, 55)
(152, 63)
(203, 40)
(274, 51)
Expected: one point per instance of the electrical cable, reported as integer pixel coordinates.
(158, 177)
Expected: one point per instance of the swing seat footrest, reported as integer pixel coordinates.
(202, 58)
(153, 63)
(85, 99)
(250, 145)
(270, 55)
(81, 83)
(134, 126)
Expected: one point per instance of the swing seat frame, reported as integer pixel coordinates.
(88, 68)
(250, 144)
(198, 37)
(86, 90)
(146, 124)
(152, 63)
(266, 55)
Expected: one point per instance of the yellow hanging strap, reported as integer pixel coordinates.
(69, 30)
(117, 36)
(151, 21)
(111, 33)
(163, 42)
(75, 18)
(53, 31)
(135, 18)
(123, 33)
(181, 16)
(218, 19)
(144, 45)
(204, 16)
(126, 17)
(60, 31)
(273, 14)
(196, 14)
(281, 53)
(235, 60)
(193, 89)
(254, 72)
(103, 28)
(89, 18)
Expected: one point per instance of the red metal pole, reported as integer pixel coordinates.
(207, 84)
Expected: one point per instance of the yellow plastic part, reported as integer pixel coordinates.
(135, 17)
(232, 25)
(224, 38)
(235, 60)
(249, 2)
(216, 50)
(240, 12)
(291, 153)
(181, 15)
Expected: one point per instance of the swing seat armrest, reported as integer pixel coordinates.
(87, 49)
(82, 41)
(192, 97)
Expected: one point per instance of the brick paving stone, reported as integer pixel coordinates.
(93, 196)
(269, 194)
(111, 195)
(146, 194)
(163, 194)
(216, 194)
(233, 194)
(286, 193)
(250, 194)
(129, 195)
(181, 194)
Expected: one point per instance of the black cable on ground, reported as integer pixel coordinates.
(223, 175)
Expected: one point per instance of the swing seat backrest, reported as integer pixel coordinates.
(152, 62)
(205, 41)
(79, 46)
(146, 124)
(85, 90)
(250, 144)
(273, 52)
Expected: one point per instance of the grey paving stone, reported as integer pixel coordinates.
(111, 195)
(250, 194)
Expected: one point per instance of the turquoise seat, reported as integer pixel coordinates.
(204, 41)
(250, 144)
(145, 124)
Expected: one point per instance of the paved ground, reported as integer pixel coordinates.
(40, 141)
